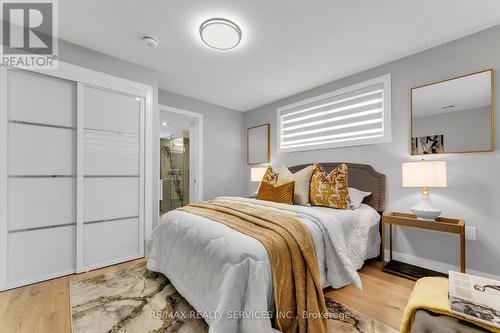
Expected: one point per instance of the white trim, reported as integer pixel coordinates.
(434, 265)
(3, 177)
(198, 146)
(193, 155)
(142, 185)
(387, 137)
(80, 140)
(149, 177)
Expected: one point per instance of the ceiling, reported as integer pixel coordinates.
(466, 93)
(288, 46)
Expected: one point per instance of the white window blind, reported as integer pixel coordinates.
(355, 115)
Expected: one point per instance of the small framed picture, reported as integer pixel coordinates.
(431, 144)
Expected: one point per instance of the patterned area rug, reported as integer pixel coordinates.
(136, 301)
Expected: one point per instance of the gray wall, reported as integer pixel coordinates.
(224, 158)
(473, 179)
(81, 56)
(467, 130)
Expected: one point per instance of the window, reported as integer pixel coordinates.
(355, 115)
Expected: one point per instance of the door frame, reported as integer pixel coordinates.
(196, 149)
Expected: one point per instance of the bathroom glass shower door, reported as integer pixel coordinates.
(174, 172)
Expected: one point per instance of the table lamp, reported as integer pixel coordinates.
(425, 174)
(256, 174)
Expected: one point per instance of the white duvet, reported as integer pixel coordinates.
(226, 276)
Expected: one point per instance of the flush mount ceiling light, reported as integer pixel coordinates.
(220, 34)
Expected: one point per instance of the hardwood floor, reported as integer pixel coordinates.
(384, 296)
(44, 307)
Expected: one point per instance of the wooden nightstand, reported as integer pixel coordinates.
(453, 226)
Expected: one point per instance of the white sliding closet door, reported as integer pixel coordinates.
(111, 176)
(71, 172)
(41, 177)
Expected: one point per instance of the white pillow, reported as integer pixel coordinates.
(356, 197)
(302, 181)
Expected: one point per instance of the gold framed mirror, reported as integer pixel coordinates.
(453, 116)
(258, 144)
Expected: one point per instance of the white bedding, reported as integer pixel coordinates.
(220, 270)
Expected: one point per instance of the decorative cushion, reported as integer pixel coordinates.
(302, 181)
(330, 190)
(356, 197)
(270, 176)
(281, 194)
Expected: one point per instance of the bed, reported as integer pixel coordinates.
(225, 275)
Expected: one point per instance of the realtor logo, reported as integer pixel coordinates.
(29, 34)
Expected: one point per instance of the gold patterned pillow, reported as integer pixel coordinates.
(281, 194)
(270, 176)
(330, 190)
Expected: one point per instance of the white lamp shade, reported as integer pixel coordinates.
(256, 174)
(424, 174)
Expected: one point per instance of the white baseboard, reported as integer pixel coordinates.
(435, 265)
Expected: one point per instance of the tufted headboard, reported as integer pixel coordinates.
(364, 178)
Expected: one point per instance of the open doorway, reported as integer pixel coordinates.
(180, 158)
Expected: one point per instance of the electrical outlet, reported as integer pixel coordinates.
(470, 233)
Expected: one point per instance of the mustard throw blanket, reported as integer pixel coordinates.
(300, 304)
(431, 293)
